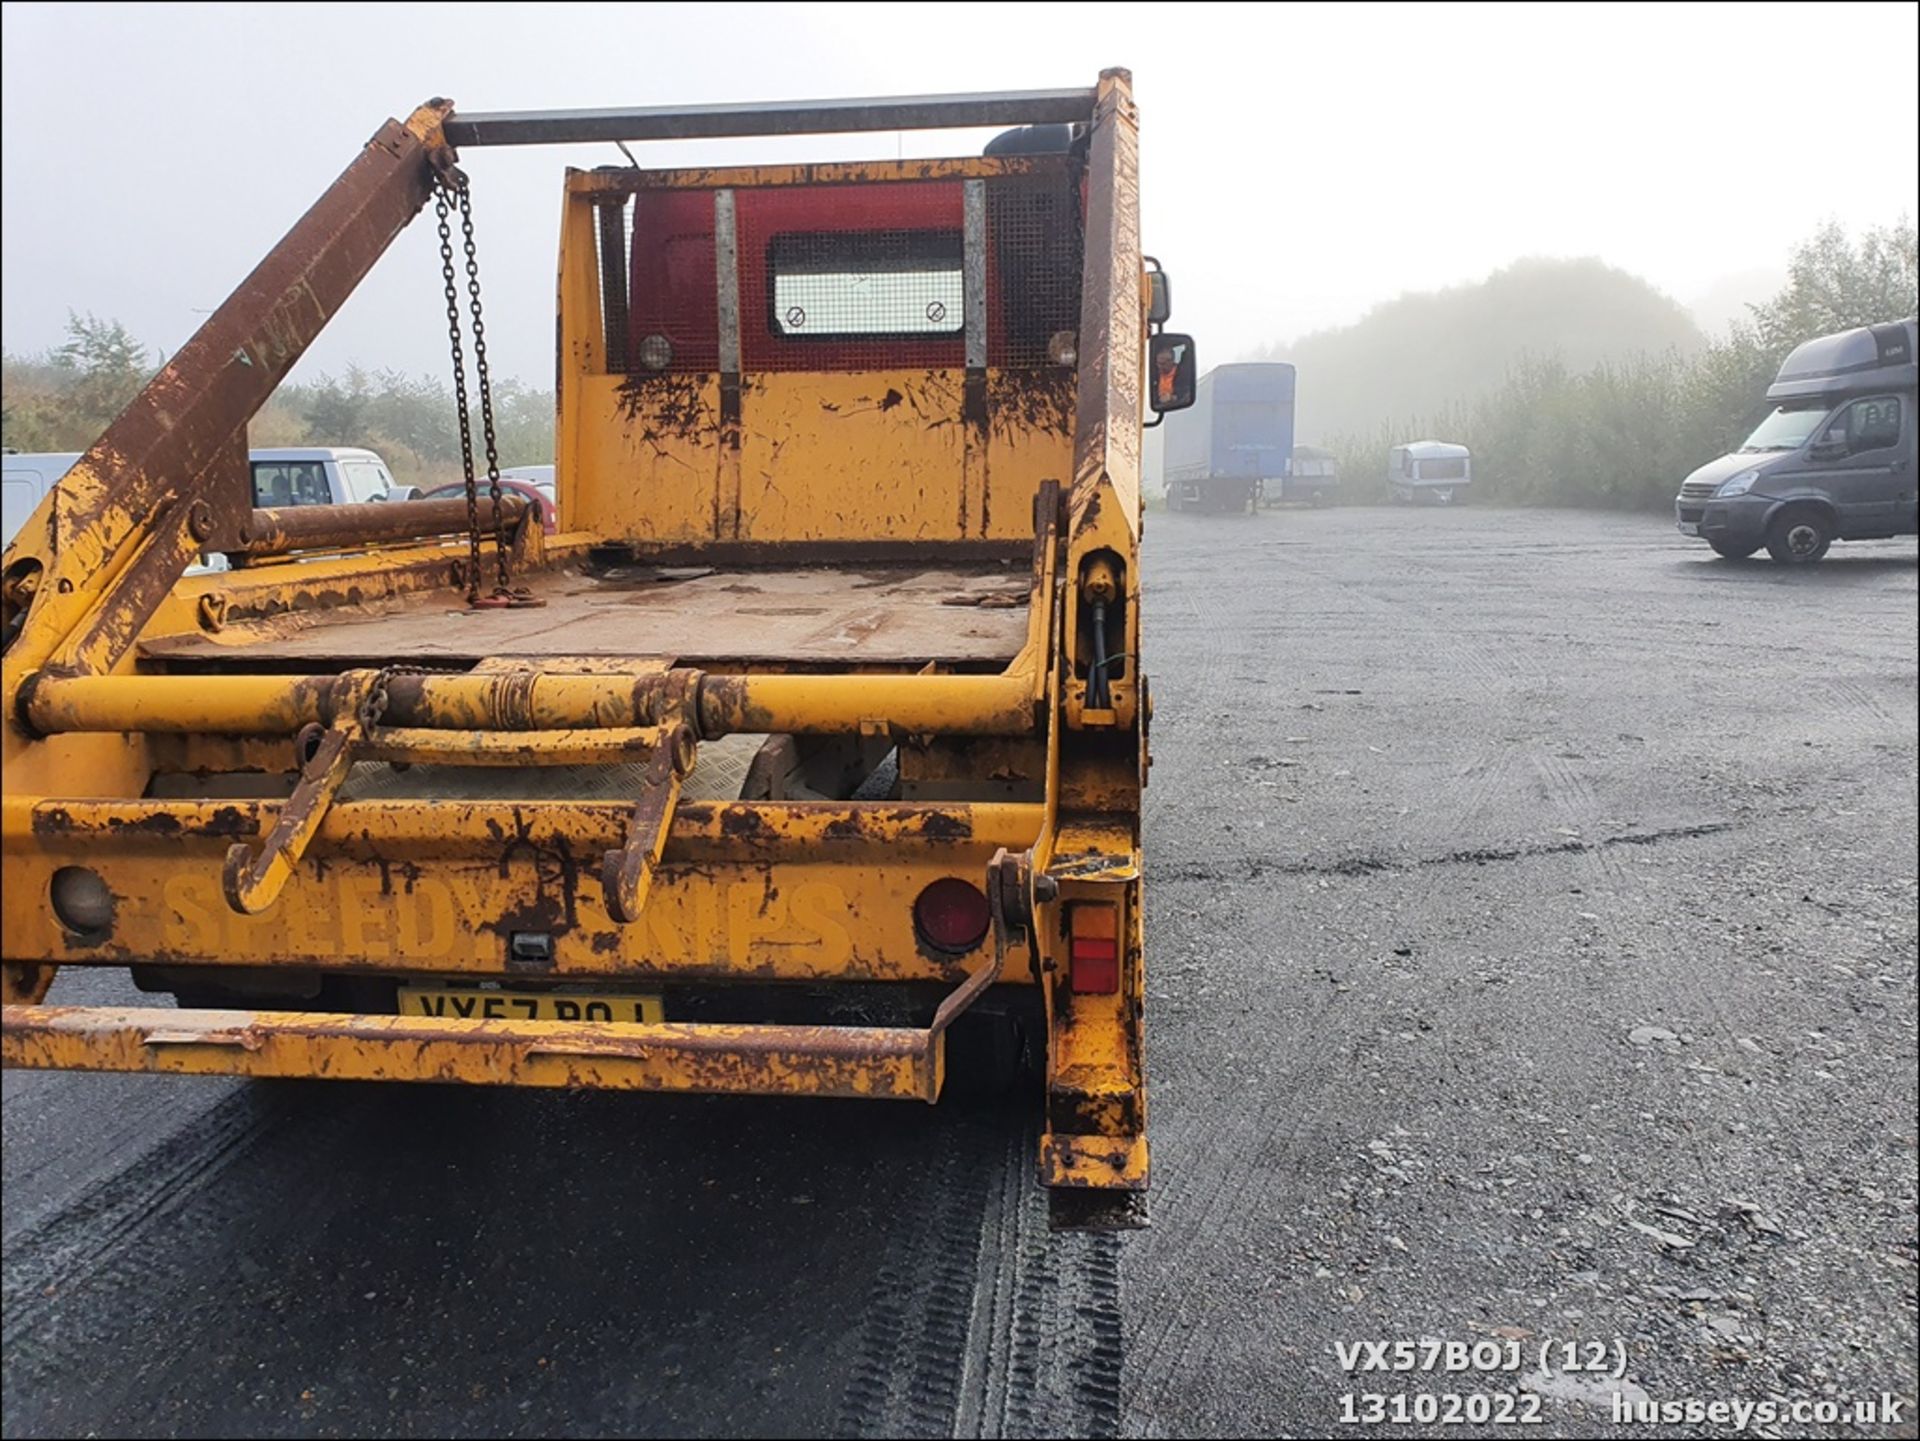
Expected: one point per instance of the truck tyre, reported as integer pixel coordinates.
(1726, 550)
(1799, 535)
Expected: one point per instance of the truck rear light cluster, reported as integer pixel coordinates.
(1093, 948)
(952, 915)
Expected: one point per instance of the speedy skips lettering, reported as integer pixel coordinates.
(737, 923)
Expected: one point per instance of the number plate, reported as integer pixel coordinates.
(1689, 527)
(528, 1005)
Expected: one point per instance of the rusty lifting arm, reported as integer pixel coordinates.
(147, 496)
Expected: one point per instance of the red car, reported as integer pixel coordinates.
(532, 482)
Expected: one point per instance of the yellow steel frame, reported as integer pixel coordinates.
(793, 892)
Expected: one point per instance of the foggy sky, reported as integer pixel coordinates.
(1299, 163)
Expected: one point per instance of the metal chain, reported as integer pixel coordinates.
(440, 211)
(486, 391)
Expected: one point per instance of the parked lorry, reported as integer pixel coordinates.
(848, 457)
(1429, 472)
(1313, 476)
(1833, 460)
(1235, 443)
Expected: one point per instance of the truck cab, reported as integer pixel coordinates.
(1313, 477)
(1833, 460)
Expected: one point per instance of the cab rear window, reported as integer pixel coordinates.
(881, 283)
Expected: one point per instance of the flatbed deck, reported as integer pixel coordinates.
(883, 615)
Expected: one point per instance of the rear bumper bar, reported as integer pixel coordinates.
(873, 1062)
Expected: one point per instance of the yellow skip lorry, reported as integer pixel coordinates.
(805, 756)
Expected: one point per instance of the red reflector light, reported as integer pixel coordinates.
(1093, 949)
(951, 915)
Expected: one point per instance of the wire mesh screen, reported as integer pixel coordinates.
(1035, 245)
(672, 298)
(840, 277)
(610, 233)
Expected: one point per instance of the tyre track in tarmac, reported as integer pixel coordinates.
(105, 1227)
(981, 1321)
(331, 1259)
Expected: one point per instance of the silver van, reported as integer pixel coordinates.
(1833, 461)
(24, 483)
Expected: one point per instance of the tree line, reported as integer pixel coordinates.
(1608, 395)
(1623, 431)
(63, 399)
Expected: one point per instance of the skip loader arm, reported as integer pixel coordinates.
(168, 480)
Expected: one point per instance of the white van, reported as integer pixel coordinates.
(318, 475)
(298, 475)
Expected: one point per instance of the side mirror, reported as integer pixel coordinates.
(1828, 448)
(1159, 297)
(1173, 372)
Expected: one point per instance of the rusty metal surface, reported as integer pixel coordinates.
(1112, 323)
(602, 747)
(623, 181)
(22, 984)
(801, 117)
(701, 829)
(811, 473)
(625, 874)
(919, 703)
(275, 531)
(253, 880)
(1102, 1162)
(878, 614)
(754, 704)
(751, 1059)
(855, 1061)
